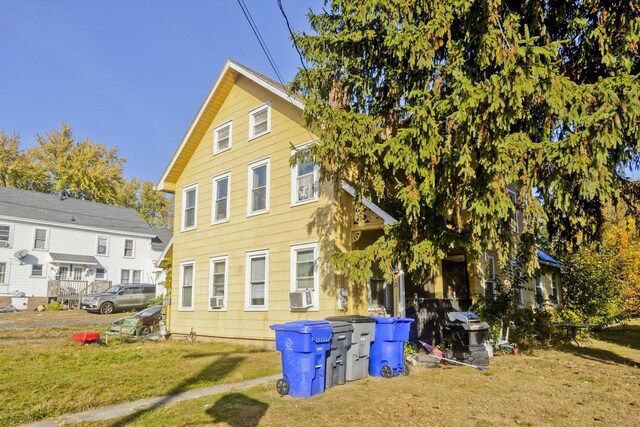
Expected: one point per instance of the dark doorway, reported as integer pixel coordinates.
(455, 279)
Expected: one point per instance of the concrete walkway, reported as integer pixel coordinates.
(130, 408)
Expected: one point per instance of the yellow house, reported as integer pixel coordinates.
(253, 233)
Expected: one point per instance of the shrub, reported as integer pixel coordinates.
(55, 306)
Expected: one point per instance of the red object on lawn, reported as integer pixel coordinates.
(85, 337)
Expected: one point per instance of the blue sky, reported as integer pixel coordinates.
(130, 74)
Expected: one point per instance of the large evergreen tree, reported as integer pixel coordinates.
(431, 108)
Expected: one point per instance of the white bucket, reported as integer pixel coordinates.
(489, 347)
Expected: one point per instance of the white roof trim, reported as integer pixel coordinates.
(164, 251)
(244, 72)
(388, 219)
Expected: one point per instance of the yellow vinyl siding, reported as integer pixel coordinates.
(276, 230)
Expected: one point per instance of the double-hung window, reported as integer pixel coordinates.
(40, 239)
(260, 121)
(489, 277)
(379, 294)
(304, 180)
(5, 234)
(126, 276)
(222, 138)
(37, 270)
(218, 283)
(102, 245)
(189, 206)
(3, 273)
(304, 269)
(257, 280)
(221, 186)
(187, 282)
(128, 248)
(101, 273)
(258, 195)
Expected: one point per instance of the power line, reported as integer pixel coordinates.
(293, 37)
(263, 44)
(265, 49)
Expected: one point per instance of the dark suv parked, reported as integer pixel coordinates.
(120, 297)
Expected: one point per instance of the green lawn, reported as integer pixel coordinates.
(596, 384)
(42, 380)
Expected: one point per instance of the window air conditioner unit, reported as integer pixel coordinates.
(301, 299)
(216, 302)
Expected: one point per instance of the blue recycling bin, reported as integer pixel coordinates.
(304, 346)
(386, 357)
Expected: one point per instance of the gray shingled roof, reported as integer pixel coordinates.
(76, 259)
(50, 207)
(162, 238)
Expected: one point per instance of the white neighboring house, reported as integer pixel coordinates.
(45, 237)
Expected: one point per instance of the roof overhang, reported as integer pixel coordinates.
(57, 258)
(229, 74)
(546, 259)
(167, 250)
(388, 219)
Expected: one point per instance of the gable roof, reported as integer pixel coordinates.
(388, 219)
(24, 204)
(207, 112)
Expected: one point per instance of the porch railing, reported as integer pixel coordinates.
(70, 292)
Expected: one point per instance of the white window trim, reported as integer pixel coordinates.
(7, 272)
(493, 274)
(44, 271)
(387, 295)
(184, 207)
(247, 282)
(98, 243)
(213, 260)
(10, 237)
(46, 239)
(193, 286)
(106, 272)
(316, 272)
(253, 112)
(133, 249)
(215, 137)
(512, 192)
(294, 179)
(215, 180)
(250, 169)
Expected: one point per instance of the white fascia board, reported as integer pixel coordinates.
(388, 219)
(244, 72)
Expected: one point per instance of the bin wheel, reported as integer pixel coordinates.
(386, 371)
(405, 370)
(282, 387)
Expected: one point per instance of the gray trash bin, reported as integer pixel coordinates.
(364, 332)
(336, 364)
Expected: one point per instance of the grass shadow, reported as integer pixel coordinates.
(219, 369)
(238, 410)
(623, 335)
(599, 355)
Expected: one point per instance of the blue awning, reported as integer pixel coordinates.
(547, 259)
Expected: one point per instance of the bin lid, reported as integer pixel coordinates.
(352, 319)
(320, 330)
(381, 319)
(339, 326)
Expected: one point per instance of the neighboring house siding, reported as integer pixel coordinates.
(66, 240)
(276, 230)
